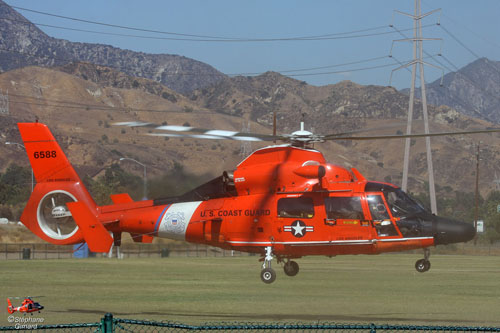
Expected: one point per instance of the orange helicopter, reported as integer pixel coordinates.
(27, 306)
(283, 201)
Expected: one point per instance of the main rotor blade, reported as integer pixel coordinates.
(403, 136)
(362, 130)
(208, 137)
(200, 133)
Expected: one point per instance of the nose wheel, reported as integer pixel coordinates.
(423, 265)
(268, 275)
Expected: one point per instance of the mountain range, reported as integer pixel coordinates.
(473, 90)
(46, 79)
(24, 44)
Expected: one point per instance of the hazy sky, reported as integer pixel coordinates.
(469, 29)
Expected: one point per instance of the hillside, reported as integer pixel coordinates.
(473, 90)
(348, 106)
(323, 106)
(80, 113)
(23, 44)
(80, 101)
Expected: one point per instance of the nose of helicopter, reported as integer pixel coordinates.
(447, 231)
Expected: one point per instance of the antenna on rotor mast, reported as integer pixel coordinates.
(418, 59)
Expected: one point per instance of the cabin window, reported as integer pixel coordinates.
(377, 208)
(302, 207)
(344, 208)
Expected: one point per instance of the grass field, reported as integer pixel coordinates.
(458, 290)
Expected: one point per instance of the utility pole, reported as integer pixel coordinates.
(476, 195)
(418, 51)
(144, 177)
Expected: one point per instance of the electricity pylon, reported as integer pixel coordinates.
(418, 51)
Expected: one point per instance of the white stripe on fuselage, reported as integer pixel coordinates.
(176, 219)
(338, 242)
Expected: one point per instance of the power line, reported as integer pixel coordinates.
(111, 25)
(469, 29)
(231, 74)
(317, 68)
(236, 40)
(467, 48)
(337, 36)
(459, 42)
(203, 38)
(90, 107)
(470, 80)
(342, 71)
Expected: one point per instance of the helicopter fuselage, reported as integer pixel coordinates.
(284, 201)
(300, 205)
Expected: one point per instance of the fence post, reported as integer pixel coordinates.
(107, 323)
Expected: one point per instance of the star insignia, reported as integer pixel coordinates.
(298, 228)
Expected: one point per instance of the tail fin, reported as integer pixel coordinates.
(10, 308)
(47, 213)
(46, 157)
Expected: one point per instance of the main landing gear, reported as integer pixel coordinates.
(423, 265)
(291, 268)
(268, 275)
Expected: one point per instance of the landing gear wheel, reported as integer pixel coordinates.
(291, 268)
(422, 265)
(268, 275)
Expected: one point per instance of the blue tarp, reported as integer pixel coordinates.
(81, 250)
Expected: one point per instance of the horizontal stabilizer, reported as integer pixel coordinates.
(121, 198)
(94, 232)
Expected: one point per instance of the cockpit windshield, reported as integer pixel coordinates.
(401, 204)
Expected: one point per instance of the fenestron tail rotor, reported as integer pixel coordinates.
(54, 217)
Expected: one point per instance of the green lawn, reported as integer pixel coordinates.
(458, 290)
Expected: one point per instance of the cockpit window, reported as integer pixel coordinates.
(302, 207)
(344, 208)
(380, 216)
(401, 204)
